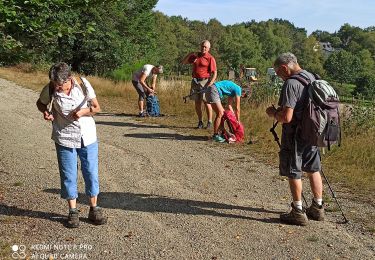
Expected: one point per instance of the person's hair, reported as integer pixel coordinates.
(204, 41)
(160, 68)
(286, 58)
(59, 72)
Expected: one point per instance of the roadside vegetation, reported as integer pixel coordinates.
(351, 165)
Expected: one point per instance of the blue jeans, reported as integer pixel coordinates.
(67, 158)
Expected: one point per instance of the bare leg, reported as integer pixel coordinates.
(295, 186)
(208, 111)
(140, 105)
(219, 110)
(198, 108)
(316, 184)
(93, 201)
(72, 204)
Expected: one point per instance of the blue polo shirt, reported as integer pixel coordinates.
(228, 88)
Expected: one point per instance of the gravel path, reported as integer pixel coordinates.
(167, 195)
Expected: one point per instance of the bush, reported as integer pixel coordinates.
(365, 86)
(343, 90)
(125, 72)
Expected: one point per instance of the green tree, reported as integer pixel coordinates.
(324, 36)
(343, 66)
(94, 36)
(368, 63)
(309, 58)
(166, 52)
(240, 46)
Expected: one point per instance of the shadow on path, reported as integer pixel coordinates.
(142, 124)
(16, 211)
(155, 203)
(129, 124)
(167, 136)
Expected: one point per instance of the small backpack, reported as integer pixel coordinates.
(320, 123)
(152, 103)
(231, 128)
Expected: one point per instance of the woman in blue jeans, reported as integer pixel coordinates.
(70, 104)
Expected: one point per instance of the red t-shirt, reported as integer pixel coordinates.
(203, 65)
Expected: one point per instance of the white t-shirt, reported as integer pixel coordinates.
(146, 69)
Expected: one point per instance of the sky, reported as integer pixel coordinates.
(324, 15)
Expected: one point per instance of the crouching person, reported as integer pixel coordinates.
(296, 155)
(215, 94)
(70, 106)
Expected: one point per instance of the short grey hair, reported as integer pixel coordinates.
(286, 58)
(204, 41)
(60, 72)
(160, 68)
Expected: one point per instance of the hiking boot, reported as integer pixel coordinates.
(96, 216)
(73, 219)
(200, 125)
(315, 212)
(142, 114)
(218, 138)
(209, 125)
(294, 217)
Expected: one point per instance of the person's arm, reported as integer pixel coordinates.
(143, 82)
(238, 107)
(43, 108)
(153, 83)
(281, 114)
(212, 78)
(188, 58)
(87, 111)
(236, 111)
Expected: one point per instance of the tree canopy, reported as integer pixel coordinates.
(100, 37)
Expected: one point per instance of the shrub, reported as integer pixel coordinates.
(365, 86)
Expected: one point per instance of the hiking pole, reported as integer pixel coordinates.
(277, 140)
(272, 130)
(334, 196)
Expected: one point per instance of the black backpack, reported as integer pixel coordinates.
(320, 123)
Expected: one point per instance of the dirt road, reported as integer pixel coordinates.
(167, 195)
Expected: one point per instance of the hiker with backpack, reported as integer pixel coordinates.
(70, 103)
(297, 154)
(215, 94)
(143, 88)
(204, 75)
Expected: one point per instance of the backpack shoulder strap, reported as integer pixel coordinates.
(82, 85)
(301, 79)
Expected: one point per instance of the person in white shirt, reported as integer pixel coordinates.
(141, 85)
(70, 106)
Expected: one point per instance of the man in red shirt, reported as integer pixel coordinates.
(204, 75)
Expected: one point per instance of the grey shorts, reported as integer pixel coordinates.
(296, 157)
(196, 86)
(212, 95)
(139, 88)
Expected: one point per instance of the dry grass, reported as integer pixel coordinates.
(350, 165)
